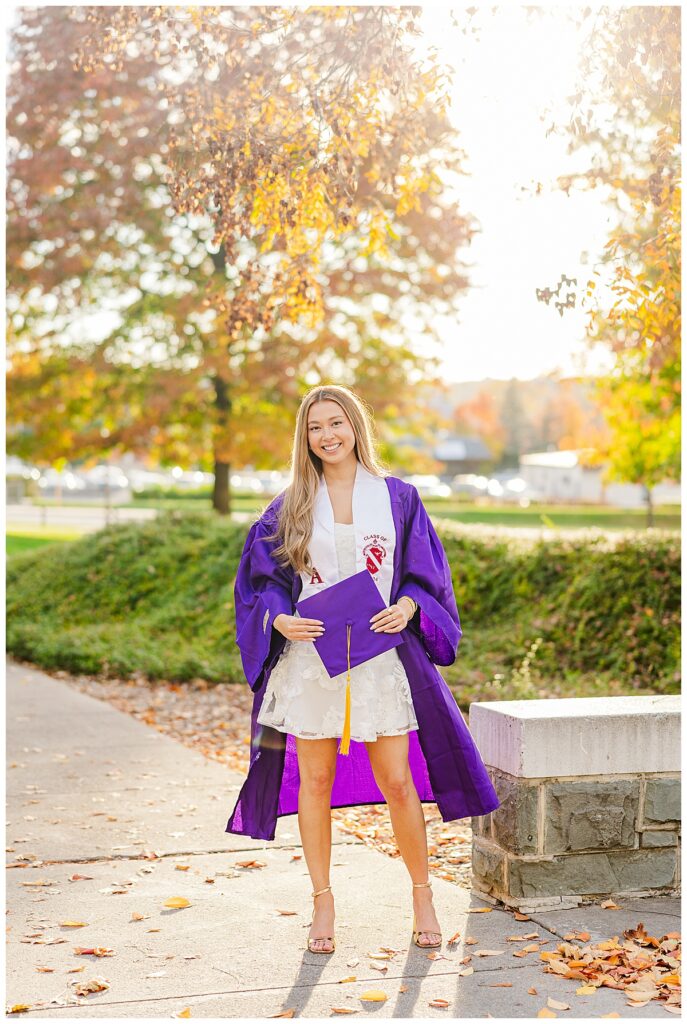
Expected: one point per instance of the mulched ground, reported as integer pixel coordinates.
(215, 720)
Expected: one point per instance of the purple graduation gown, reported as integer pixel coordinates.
(444, 761)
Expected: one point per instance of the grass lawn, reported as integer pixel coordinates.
(570, 516)
(16, 542)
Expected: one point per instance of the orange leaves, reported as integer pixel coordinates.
(641, 965)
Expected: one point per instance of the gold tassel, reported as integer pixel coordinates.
(346, 734)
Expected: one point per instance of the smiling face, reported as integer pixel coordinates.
(330, 433)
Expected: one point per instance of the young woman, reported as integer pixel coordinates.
(408, 741)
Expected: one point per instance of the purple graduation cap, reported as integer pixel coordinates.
(346, 608)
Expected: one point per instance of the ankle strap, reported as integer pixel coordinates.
(417, 885)
(319, 891)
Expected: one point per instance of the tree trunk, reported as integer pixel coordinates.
(220, 492)
(649, 507)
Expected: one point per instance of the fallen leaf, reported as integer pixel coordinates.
(466, 972)
(284, 1013)
(642, 989)
(135, 916)
(555, 1005)
(352, 977)
(73, 924)
(47, 970)
(454, 937)
(84, 988)
(558, 967)
(545, 1012)
(186, 1012)
(532, 991)
(639, 935)
(442, 1003)
(521, 917)
(501, 984)
(585, 990)
(254, 864)
(614, 1014)
(177, 902)
(78, 878)
(481, 910)
(342, 1009)
(93, 951)
(470, 941)
(19, 1008)
(374, 995)
(488, 952)
(287, 913)
(182, 867)
(609, 905)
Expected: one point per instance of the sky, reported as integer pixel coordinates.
(503, 80)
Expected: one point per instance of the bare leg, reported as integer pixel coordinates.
(317, 768)
(389, 760)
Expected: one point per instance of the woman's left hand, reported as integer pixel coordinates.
(391, 620)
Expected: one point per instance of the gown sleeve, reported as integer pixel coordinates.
(262, 590)
(426, 577)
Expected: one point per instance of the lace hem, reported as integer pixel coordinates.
(302, 699)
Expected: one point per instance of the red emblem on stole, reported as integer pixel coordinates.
(374, 553)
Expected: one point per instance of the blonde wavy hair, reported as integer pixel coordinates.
(295, 517)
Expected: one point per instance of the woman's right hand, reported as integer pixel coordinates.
(293, 627)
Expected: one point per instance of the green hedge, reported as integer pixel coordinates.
(576, 616)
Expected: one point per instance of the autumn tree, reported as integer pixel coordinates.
(632, 63)
(480, 417)
(566, 421)
(254, 194)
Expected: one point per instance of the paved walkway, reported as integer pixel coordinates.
(93, 792)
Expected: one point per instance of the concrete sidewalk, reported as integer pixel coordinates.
(94, 792)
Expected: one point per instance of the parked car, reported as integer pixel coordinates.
(53, 479)
(429, 486)
(469, 485)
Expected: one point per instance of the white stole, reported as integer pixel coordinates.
(375, 536)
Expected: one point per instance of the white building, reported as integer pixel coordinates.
(559, 476)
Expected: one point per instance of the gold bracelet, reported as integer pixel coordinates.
(412, 602)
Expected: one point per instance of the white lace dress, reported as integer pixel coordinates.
(302, 699)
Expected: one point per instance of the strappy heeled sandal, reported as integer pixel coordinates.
(424, 931)
(319, 938)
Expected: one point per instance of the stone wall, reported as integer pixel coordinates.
(558, 840)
